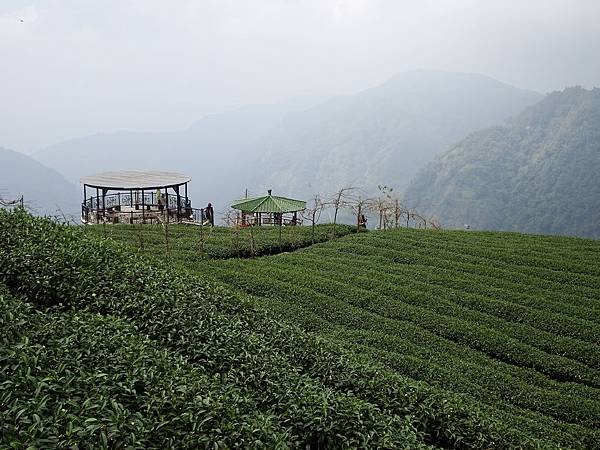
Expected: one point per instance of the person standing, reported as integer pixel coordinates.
(362, 221)
(209, 215)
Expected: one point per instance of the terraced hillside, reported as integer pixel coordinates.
(384, 339)
(189, 243)
(512, 321)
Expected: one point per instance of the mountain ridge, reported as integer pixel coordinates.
(301, 150)
(535, 173)
(44, 190)
(385, 133)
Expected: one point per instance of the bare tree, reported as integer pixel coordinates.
(252, 241)
(359, 203)
(387, 206)
(230, 217)
(140, 229)
(165, 227)
(434, 223)
(313, 213)
(338, 201)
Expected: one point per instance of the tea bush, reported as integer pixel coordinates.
(379, 364)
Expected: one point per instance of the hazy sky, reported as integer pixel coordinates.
(74, 67)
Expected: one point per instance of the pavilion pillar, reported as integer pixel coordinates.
(97, 205)
(167, 204)
(178, 202)
(143, 207)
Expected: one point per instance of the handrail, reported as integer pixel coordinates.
(135, 208)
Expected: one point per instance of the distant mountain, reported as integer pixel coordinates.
(385, 134)
(537, 173)
(216, 151)
(45, 191)
(382, 135)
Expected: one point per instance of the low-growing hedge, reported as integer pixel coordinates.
(54, 266)
(185, 243)
(77, 379)
(321, 395)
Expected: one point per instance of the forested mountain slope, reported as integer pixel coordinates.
(384, 134)
(536, 173)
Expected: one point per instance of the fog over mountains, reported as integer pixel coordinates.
(45, 191)
(384, 134)
(381, 135)
(518, 160)
(203, 151)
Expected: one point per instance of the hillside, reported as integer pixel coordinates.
(45, 191)
(537, 173)
(384, 134)
(496, 333)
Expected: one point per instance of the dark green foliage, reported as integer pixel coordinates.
(185, 339)
(219, 336)
(509, 319)
(82, 379)
(191, 243)
(537, 173)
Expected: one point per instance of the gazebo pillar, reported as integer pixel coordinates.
(178, 202)
(97, 205)
(104, 191)
(166, 205)
(85, 209)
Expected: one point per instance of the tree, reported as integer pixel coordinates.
(383, 205)
(338, 201)
(359, 204)
(313, 212)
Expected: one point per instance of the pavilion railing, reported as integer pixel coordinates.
(135, 208)
(250, 220)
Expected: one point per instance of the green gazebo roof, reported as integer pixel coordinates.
(269, 204)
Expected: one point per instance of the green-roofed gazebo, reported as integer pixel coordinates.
(269, 210)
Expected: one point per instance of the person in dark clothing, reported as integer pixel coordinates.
(209, 215)
(188, 209)
(362, 221)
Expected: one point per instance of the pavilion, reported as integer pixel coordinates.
(132, 196)
(269, 210)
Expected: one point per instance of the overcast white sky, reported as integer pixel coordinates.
(74, 67)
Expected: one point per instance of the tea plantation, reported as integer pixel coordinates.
(394, 339)
(187, 243)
